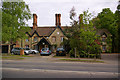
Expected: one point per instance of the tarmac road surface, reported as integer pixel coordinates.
(48, 67)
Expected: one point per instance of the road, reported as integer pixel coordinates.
(47, 67)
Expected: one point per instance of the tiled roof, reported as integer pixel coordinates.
(101, 31)
(45, 31)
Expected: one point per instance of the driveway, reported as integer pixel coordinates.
(110, 58)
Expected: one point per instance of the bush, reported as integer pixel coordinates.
(72, 53)
(92, 55)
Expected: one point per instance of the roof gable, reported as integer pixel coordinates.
(46, 31)
(102, 31)
(56, 28)
(28, 33)
(35, 32)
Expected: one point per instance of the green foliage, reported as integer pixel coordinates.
(82, 60)
(71, 52)
(109, 43)
(82, 35)
(107, 20)
(14, 16)
(66, 45)
(117, 18)
(0, 25)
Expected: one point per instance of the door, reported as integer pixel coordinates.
(40, 47)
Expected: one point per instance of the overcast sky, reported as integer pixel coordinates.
(46, 9)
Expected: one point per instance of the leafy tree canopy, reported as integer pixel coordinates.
(106, 19)
(14, 16)
(82, 34)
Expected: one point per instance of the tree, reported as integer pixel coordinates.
(88, 35)
(82, 34)
(106, 19)
(14, 16)
(117, 18)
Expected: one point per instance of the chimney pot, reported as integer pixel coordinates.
(34, 21)
(58, 19)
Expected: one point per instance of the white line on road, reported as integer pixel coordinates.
(80, 72)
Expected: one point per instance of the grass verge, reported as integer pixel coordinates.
(60, 56)
(78, 60)
(13, 57)
(16, 55)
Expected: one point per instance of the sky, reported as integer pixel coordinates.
(46, 9)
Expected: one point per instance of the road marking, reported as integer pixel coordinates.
(80, 72)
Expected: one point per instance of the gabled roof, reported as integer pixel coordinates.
(56, 28)
(35, 32)
(44, 40)
(45, 31)
(102, 31)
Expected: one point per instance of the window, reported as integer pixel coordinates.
(103, 48)
(103, 38)
(58, 33)
(27, 46)
(61, 39)
(26, 40)
(53, 39)
(35, 39)
(53, 47)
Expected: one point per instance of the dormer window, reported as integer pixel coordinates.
(103, 38)
(35, 39)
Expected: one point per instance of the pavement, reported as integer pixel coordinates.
(107, 58)
(50, 67)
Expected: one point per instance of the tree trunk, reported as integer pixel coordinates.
(9, 49)
(75, 52)
(21, 43)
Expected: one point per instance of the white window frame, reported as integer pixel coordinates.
(62, 39)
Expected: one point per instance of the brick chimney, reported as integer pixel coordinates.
(34, 21)
(58, 19)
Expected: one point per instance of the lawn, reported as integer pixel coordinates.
(60, 56)
(13, 57)
(79, 60)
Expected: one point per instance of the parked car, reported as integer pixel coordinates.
(32, 51)
(27, 51)
(60, 52)
(45, 51)
(17, 51)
